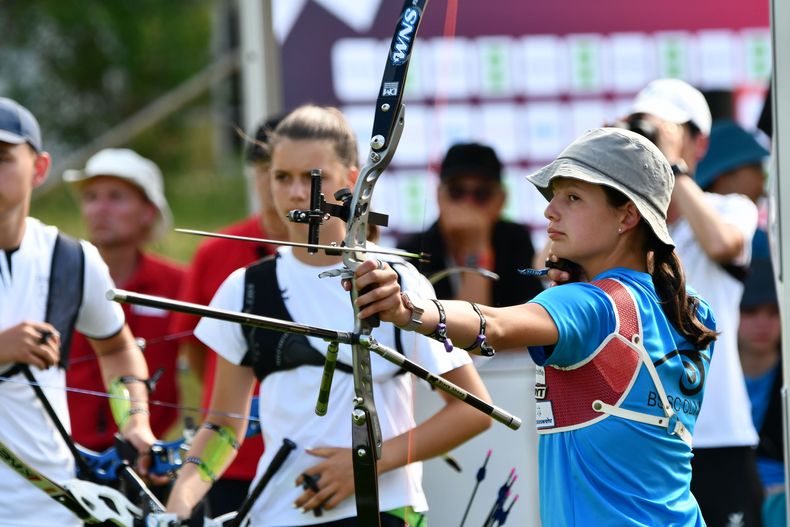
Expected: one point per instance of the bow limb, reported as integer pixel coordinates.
(88, 501)
(94, 503)
(387, 128)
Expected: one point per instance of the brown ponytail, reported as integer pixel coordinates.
(677, 305)
(670, 282)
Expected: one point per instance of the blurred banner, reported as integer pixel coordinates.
(525, 77)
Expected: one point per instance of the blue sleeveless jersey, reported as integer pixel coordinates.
(616, 471)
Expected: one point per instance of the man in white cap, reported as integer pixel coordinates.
(713, 236)
(121, 197)
(49, 284)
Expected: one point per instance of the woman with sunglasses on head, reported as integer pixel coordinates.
(622, 359)
(290, 366)
(471, 233)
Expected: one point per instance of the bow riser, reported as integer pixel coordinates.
(387, 129)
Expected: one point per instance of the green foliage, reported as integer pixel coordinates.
(83, 67)
(199, 200)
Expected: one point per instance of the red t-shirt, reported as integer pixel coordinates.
(92, 424)
(214, 261)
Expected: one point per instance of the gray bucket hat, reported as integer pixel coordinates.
(620, 159)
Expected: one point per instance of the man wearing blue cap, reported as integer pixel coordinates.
(759, 343)
(49, 285)
(734, 162)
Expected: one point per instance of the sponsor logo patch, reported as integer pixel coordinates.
(544, 417)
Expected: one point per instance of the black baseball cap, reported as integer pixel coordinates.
(471, 159)
(760, 288)
(17, 125)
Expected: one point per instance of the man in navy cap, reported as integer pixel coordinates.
(760, 347)
(49, 285)
(470, 233)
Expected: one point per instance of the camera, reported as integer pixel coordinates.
(638, 124)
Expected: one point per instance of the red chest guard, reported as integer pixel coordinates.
(584, 393)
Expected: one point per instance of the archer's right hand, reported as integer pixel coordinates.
(33, 343)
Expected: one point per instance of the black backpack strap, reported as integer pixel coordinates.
(269, 351)
(66, 280)
(739, 272)
(770, 445)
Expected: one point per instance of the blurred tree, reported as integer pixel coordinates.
(83, 67)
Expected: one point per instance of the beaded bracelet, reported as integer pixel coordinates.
(205, 472)
(440, 333)
(137, 410)
(480, 342)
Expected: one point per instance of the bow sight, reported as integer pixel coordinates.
(321, 210)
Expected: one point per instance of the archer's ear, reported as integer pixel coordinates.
(631, 216)
(353, 174)
(41, 165)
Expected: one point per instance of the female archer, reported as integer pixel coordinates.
(622, 359)
(289, 366)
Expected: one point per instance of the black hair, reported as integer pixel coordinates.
(471, 158)
(257, 149)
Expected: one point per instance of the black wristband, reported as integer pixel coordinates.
(440, 333)
(480, 341)
(680, 168)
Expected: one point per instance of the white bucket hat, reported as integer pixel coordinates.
(623, 160)
(127, 164)
(675, 101)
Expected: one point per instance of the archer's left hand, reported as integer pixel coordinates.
(336, 481)
(383, 298)
(138, 432)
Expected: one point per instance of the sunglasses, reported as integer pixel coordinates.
(480, 195)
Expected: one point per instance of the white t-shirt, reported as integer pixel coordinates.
(725, 419)
(287, 398)
(25, 427)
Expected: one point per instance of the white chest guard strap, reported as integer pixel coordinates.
(670, 421)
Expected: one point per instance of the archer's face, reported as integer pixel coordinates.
(583, 226)
(292, 161)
